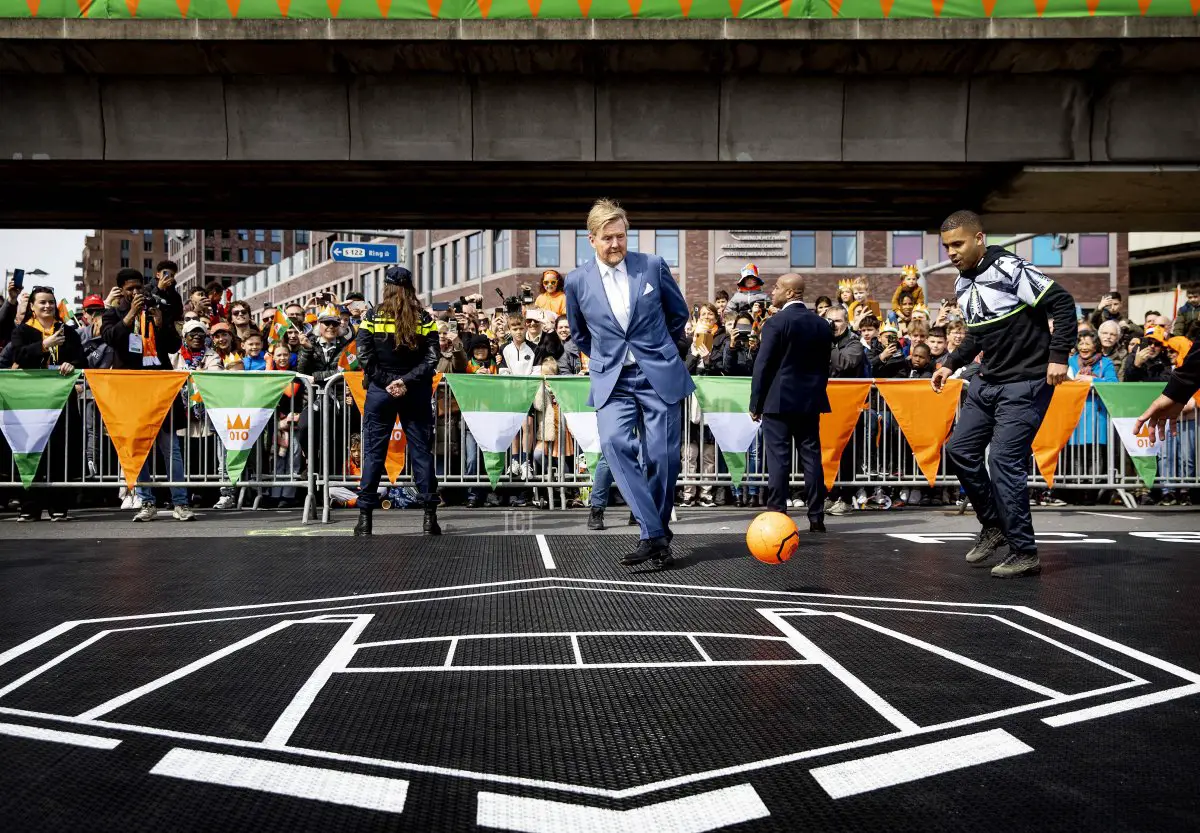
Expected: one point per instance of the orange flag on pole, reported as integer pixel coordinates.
(1066, 406)
(846, 398)
(925, 417)
(133, 405)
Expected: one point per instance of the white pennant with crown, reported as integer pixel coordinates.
(240, 405)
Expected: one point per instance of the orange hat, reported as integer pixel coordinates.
(1155, 333)
(1181, 346)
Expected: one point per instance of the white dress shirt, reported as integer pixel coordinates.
(616, 287)
(789, 303)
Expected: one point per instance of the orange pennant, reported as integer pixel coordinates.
(1092, 6)
(735, 6)
(786, 5)
(85, 7)
(132, 5)
(989, 6)
(535, 6)
(33, 5)
(886, 6)
(1060, 422)
(398, 445)
(938, 4)
(846, 398)
(485, 8)
(133, 405)
(635, 6)
(925, 417)
(385, 8)
(435, 7)
(585, 6)
(335, 6)
(1040, 6)
(184, 5)
(1144, 5)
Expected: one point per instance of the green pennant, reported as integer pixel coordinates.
(31, 402)
(240, 405)
(1125, 402)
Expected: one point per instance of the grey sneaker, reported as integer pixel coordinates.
(183, 513)
(1018, 564)
(987, 545)
(147, 513)
(226, 502)
(840, 507)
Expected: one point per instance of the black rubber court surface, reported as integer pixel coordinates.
(872, 683)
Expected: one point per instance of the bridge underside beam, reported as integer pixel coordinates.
(556, 195)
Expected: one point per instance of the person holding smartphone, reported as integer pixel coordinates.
(43, 341)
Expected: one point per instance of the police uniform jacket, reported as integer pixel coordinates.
(383, 361)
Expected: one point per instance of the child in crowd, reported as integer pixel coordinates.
(253, 358)
(845, 293)
(910, 284)
(863, 304)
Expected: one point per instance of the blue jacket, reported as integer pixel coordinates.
(254, 362)
(1093, 421)
(791, 369)
(658, 315)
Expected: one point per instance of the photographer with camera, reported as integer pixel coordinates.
(141, 331)
(737, 356)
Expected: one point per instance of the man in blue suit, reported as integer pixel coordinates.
(627, 314)
(788, 395)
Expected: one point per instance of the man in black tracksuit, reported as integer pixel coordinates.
(1181, 386)
(1006, 303)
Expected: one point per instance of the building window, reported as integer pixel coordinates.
(1093, 250)
(276, 257)
(208, 254)
(547, 245)
(456, 264)
(501, 250)
(631, 241)
(147, 263)
(302, 237)
(244, 255)
(276, 235)
(583, 249)
(147, 245)
(845, 248)
(260, 235)
(907, 247)
(124, 262)
(474, 256)
(124, 246)
(442, 267)
(420, 276)
(804, 249)
(243, 234)
(260, 256)
(224, 255)
(666, 246)
(1044, 253)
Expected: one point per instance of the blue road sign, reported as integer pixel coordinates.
(365, 252)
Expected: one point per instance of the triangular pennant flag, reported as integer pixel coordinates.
(635, 6)
(886, 7)
(85, 7)
(725, 404)
(494, 408)
(685, 6)
(735, 6)
(836, 7)
(1125, 402)
(846, 398)
(31, 402)
(240, 404)
(132, 5)
(1144, 6)
(1040, 6)
(925, 417)
(184, 5)
(1092, 5)
(485, 7)
(335, 6)
(938, 4)
(234, 6)
(535, 6)
(393, 464)
(435, 7)
(585, 6)
(1057, 426)
(988, 6)
(133, 405)
(385, 8)
(571, 394)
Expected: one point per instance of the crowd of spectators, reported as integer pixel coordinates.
(145, 325)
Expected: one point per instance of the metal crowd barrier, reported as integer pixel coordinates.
(90, 460)
(550, 474)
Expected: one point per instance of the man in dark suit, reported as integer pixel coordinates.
(788, 396)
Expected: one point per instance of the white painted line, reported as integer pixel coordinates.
(1109, 515)
(809, 650)
(692, 814)
(37, 641)
(449, 661)
(560, 666)
(20, 681)
(55, 736)
(696, 644)
(905, 765)
(547, 558)
(336, 660)
(129, 696)
(952, 656)
(575, 649)
(1106, 709)
(349, 788)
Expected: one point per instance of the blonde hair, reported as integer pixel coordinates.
(603, 213)
(861, 281)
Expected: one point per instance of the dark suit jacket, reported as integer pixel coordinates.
(792, 366)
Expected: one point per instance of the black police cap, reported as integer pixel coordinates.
(398, 276)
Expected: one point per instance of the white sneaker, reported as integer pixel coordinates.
(127, 503)
(527, 471)
(514, 468)
(147, 513)
(226, 502)
(183, 513)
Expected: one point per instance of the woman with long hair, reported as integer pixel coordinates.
(43, 341)
(398, 352)
(241, 321)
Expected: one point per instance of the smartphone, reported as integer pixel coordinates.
(696, 311)
(18, 279)
(452, 326)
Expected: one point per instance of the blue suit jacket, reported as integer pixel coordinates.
(791, 369)
(657, 318)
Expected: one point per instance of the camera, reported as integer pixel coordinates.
(151, 295)
(512, 304)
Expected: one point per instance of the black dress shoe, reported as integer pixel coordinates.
(816, 526)
(596, 518)
(649, 549)
(430, 525)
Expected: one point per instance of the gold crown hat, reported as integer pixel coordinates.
(909, 272)
(845, 285)
(329, 313)
(921, 308)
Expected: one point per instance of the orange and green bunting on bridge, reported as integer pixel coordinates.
(590, 9)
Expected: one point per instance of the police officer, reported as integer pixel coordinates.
(398, 351)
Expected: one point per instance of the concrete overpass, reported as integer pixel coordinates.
(1081, 124)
